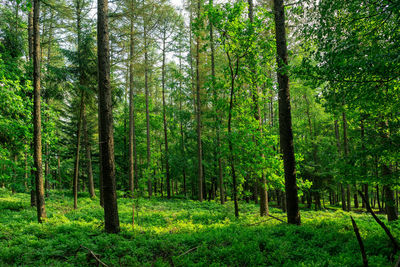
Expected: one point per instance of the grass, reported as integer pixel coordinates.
(181, 232)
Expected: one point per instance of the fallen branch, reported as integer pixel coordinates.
(188, 251)
(276, 218)
(94, 256)
(384, 227)
(360, 242)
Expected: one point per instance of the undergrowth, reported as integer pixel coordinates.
(181, 232)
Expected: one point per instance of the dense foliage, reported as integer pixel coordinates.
(233, 102)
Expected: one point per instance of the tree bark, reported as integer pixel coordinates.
(198, 112)
(89, 169)
(132, 136)
(285, 118)
(230, 143)
(181, 130)
(364, 167)
(390, 201)
(77, 150)
(59, 171)
(146, 86)
(106, 126)
(346, 153)
(37, 123)
(30, 46)
(165, 116)
(217, 115)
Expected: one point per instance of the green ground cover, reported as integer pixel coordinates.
(181, 232)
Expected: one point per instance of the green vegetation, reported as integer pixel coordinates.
(182, 232)
(238, 132)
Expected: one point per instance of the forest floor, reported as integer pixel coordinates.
(181, 232)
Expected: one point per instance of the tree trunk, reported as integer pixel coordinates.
(346, 153)
(77, 150)
(89, 169)
(230, 143)
(165, 117)
(198, 113)
(37, 123)
(181, 130)
(47, 149)
(30, 45)
(285, 118)
(217, 115)
(132, 135)
(262, 182)
(59, 171)
(106, 126)
(390, 201)
(26, 168)
(146, 87)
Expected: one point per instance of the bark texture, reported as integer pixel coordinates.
(37, 122)
(285, 117)
(198, 113)
(106, 143)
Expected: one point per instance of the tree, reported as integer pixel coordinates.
(132, 138)
(285, 119)
(106, 143)
(37, 134)
(198, 110)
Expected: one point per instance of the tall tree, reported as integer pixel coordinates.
(262, 183)
(106, 142)
(30, 53)
(37, 123)
(132, 136)
(216, 110)
(78, 10)
(198, 111)
(285, 117)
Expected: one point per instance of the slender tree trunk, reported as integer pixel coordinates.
(192, 84)
(146, 86)
(198, 112)
(77, 150)
(181, 129)
(230, 143)
(285, 117)
(262, 183)
(106, 126)
(26, 168)
(30, 42)
(217, 115)
(132, 136)
(59, 171)
(165, 116)
(89, 169)
(364, 167)
(346, 153)
(37, 124)
(47, 149)
(342, 191)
